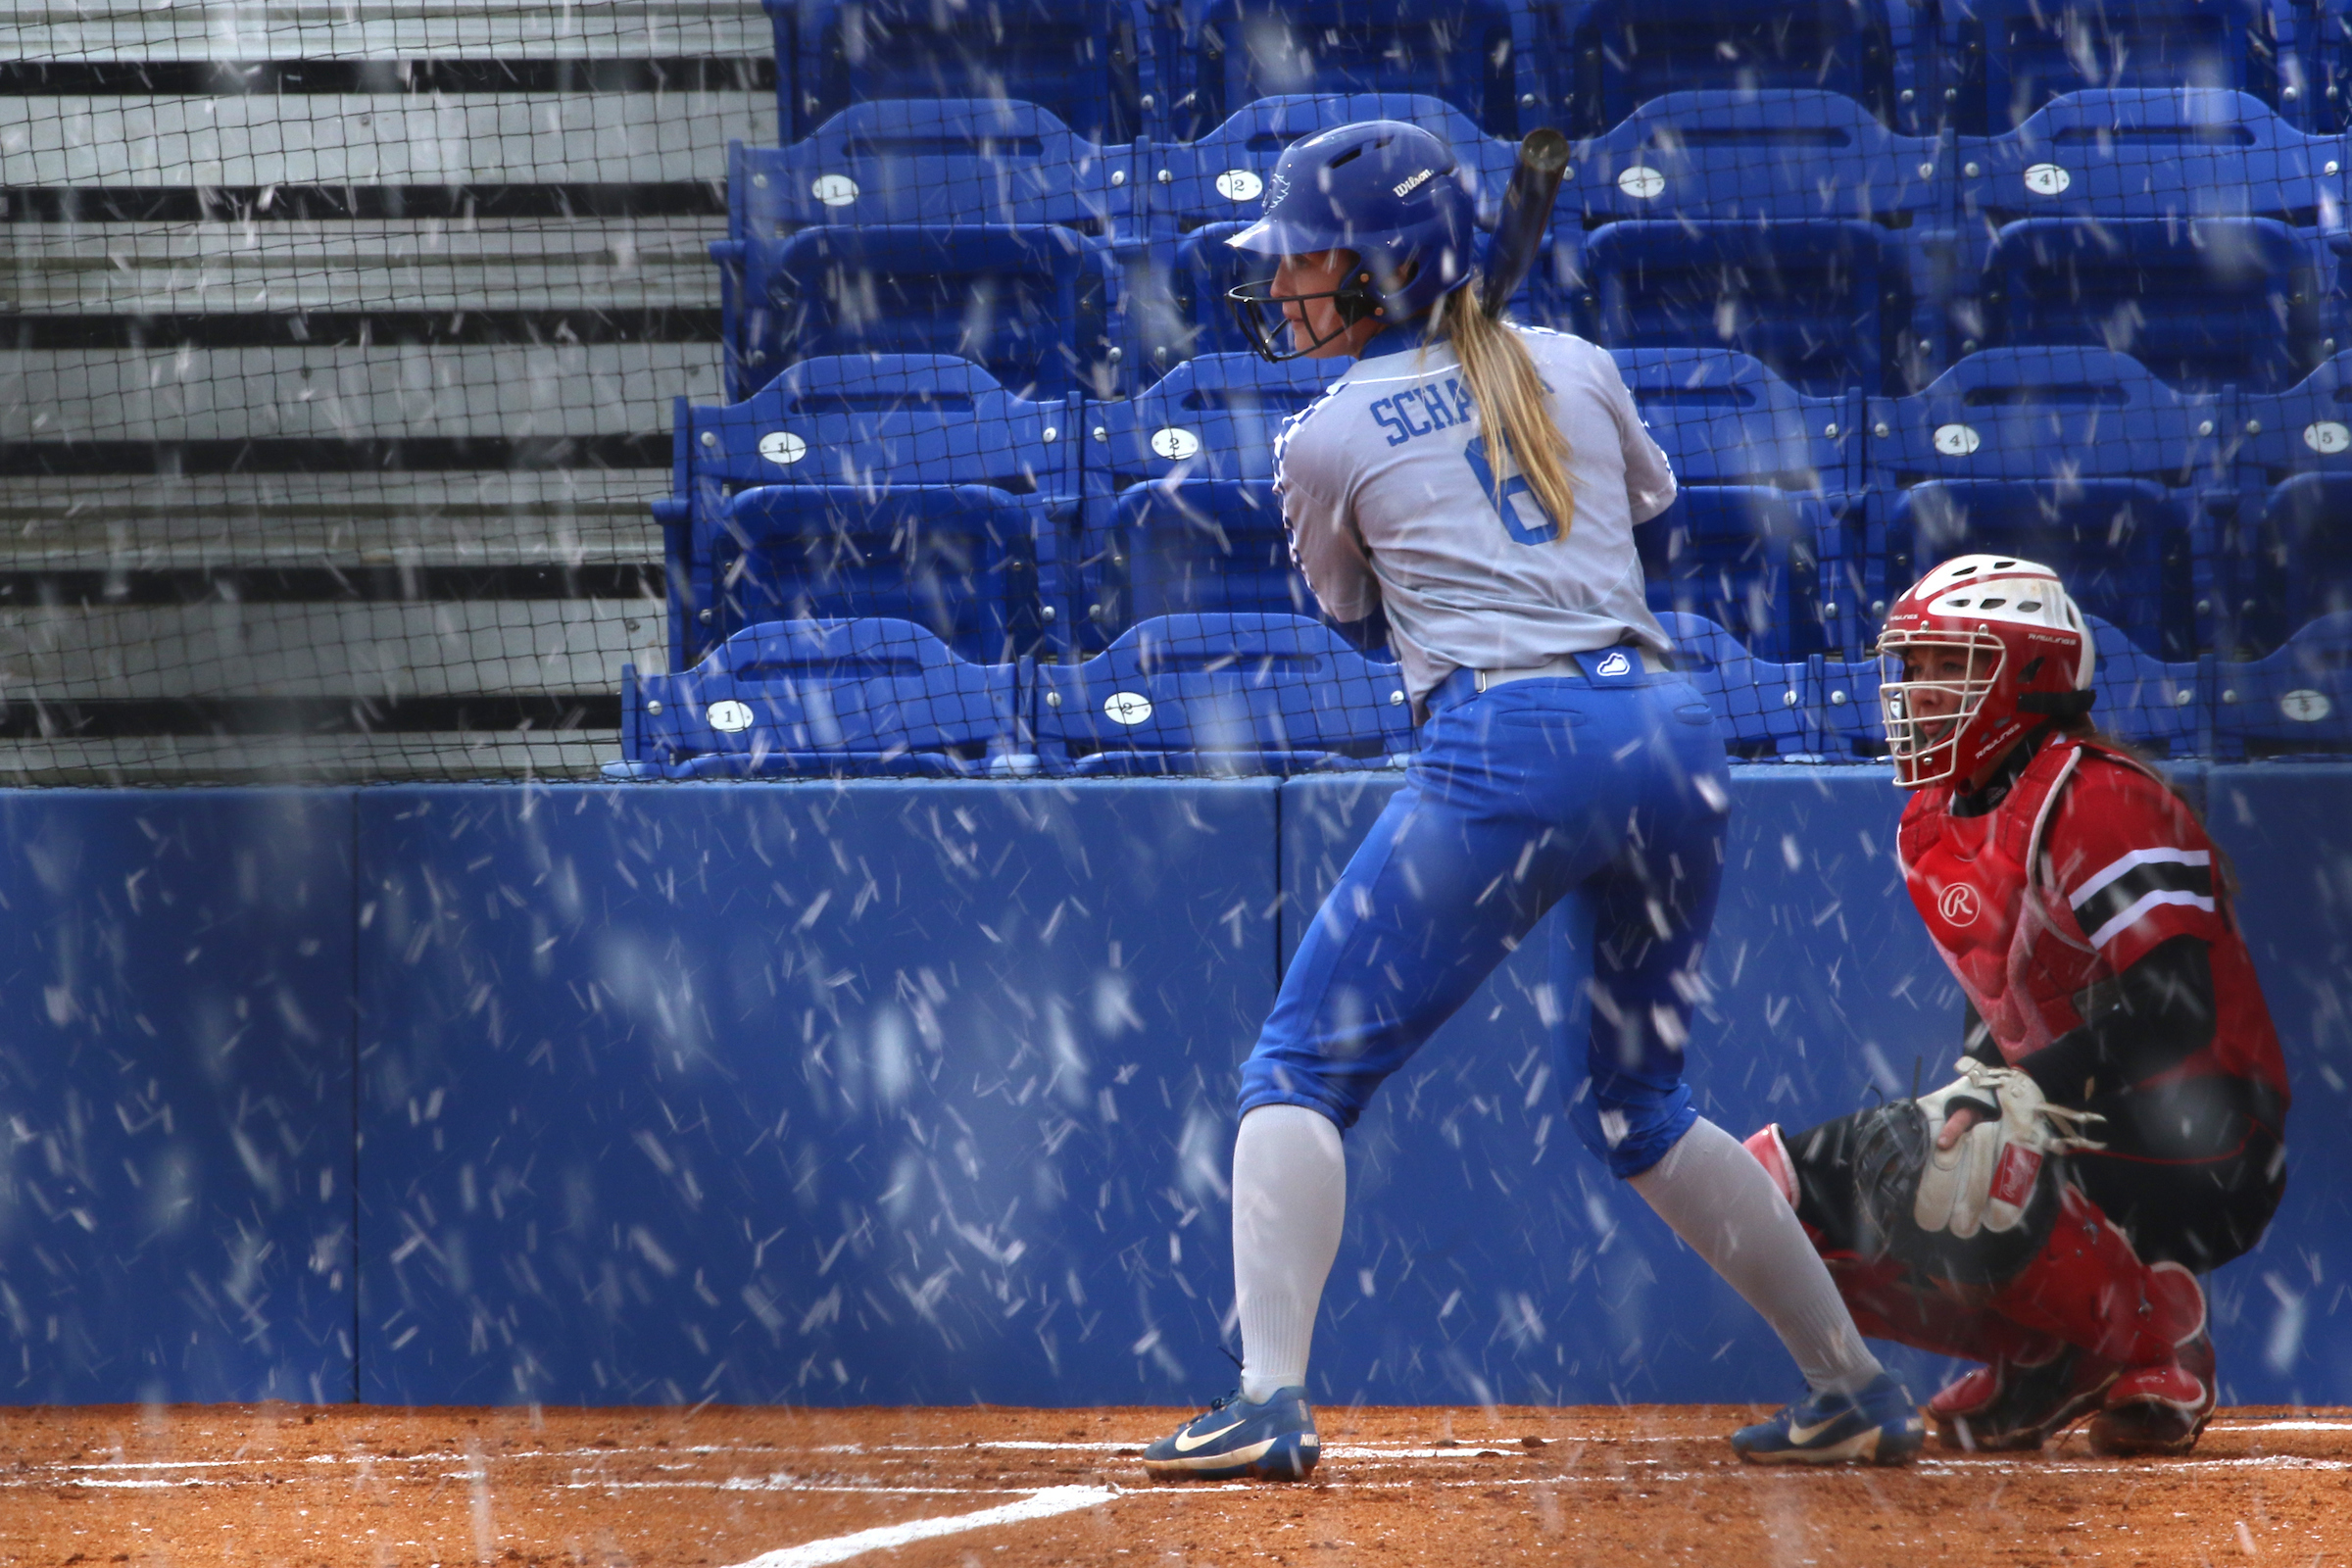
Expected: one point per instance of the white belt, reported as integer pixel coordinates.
(1555, 670)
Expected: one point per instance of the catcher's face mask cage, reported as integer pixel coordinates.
(1927, 718)
(1269, 327)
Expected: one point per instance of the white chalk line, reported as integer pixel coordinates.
(1044, 1504)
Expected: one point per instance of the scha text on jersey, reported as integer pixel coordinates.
(1422, 410)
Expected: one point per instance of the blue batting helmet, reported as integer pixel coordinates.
(1389, 191)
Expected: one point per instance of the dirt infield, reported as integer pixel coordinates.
(282, 1484)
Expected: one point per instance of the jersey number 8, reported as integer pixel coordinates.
(1513, 495)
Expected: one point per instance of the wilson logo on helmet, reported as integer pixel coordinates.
(1405, 187)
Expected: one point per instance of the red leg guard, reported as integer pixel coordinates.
(1772, 1154)
(2089, 1287)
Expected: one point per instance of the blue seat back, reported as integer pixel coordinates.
(2297, 699)
(1723, 418)
(1764, 705)
(817, 696)
(2046, 414)
(2294, 562)
(1247, 691)
(933, 161)
(1081, 60)
(1033, 305)
(2200, 303)
(2120, 545)
(2304, 429)
(2166, 153)
(1826, 305)
(1189, 520)
(1464, 52)
(1746, 556)
(960, 560)
(1220, 175)
(1770, 153)
(868, 430)
(2013, 56)
(1621, 54)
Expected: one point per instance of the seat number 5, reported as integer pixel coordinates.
(1514, 501)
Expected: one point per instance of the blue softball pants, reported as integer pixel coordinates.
(1608, 792)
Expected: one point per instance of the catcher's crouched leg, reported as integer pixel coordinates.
(1983, 1251)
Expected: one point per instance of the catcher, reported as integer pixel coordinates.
(2117, 1129)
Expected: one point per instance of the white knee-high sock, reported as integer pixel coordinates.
(1721, 1201)
(1290, 1195)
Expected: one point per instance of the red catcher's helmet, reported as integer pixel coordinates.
(2028, 658)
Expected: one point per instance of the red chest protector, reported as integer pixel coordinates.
(2008, 940)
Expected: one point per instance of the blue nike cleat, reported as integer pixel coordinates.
(1881, 1425)
(1233, 1437)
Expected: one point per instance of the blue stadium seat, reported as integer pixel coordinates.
(1221, 694)
(1470, 53)
(1771, 492)
(1086, 61)
(2121, 545)
(1036, 305)
(2283, 561)
(2076, 457)
(2202, 303)
(1767, 154)
(907, 485)
(933, 161)
(2297, 699)
(803, 698)
(1766, 707)
(2293, 564)
(1185, 517)
(1829, 305)
(1615, 55)
(2007, 57)
(2145, 152)
(1746, 556)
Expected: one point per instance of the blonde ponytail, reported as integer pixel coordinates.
(1512, 405)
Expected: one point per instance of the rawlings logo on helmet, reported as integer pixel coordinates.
(1976, 651)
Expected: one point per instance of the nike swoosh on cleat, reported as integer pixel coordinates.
(1804, 1434)
(1186, 1443)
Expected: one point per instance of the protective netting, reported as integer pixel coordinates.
(349, 347)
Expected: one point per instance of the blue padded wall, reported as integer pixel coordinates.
(806, 1092)
(867, 1094)
(176, 1071)
(2284, 1331)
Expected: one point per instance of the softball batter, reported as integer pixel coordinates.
(1467, 493)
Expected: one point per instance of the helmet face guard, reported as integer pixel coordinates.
(1390, 194)
(1267, 325)
(1927, 718)
(2024, 656)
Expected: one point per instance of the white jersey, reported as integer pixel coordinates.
(1391, 504)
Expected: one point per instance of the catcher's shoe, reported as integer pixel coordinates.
(2009, 1405)
(1881, 1425)
(2162, 1408)
(1274, 1440)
